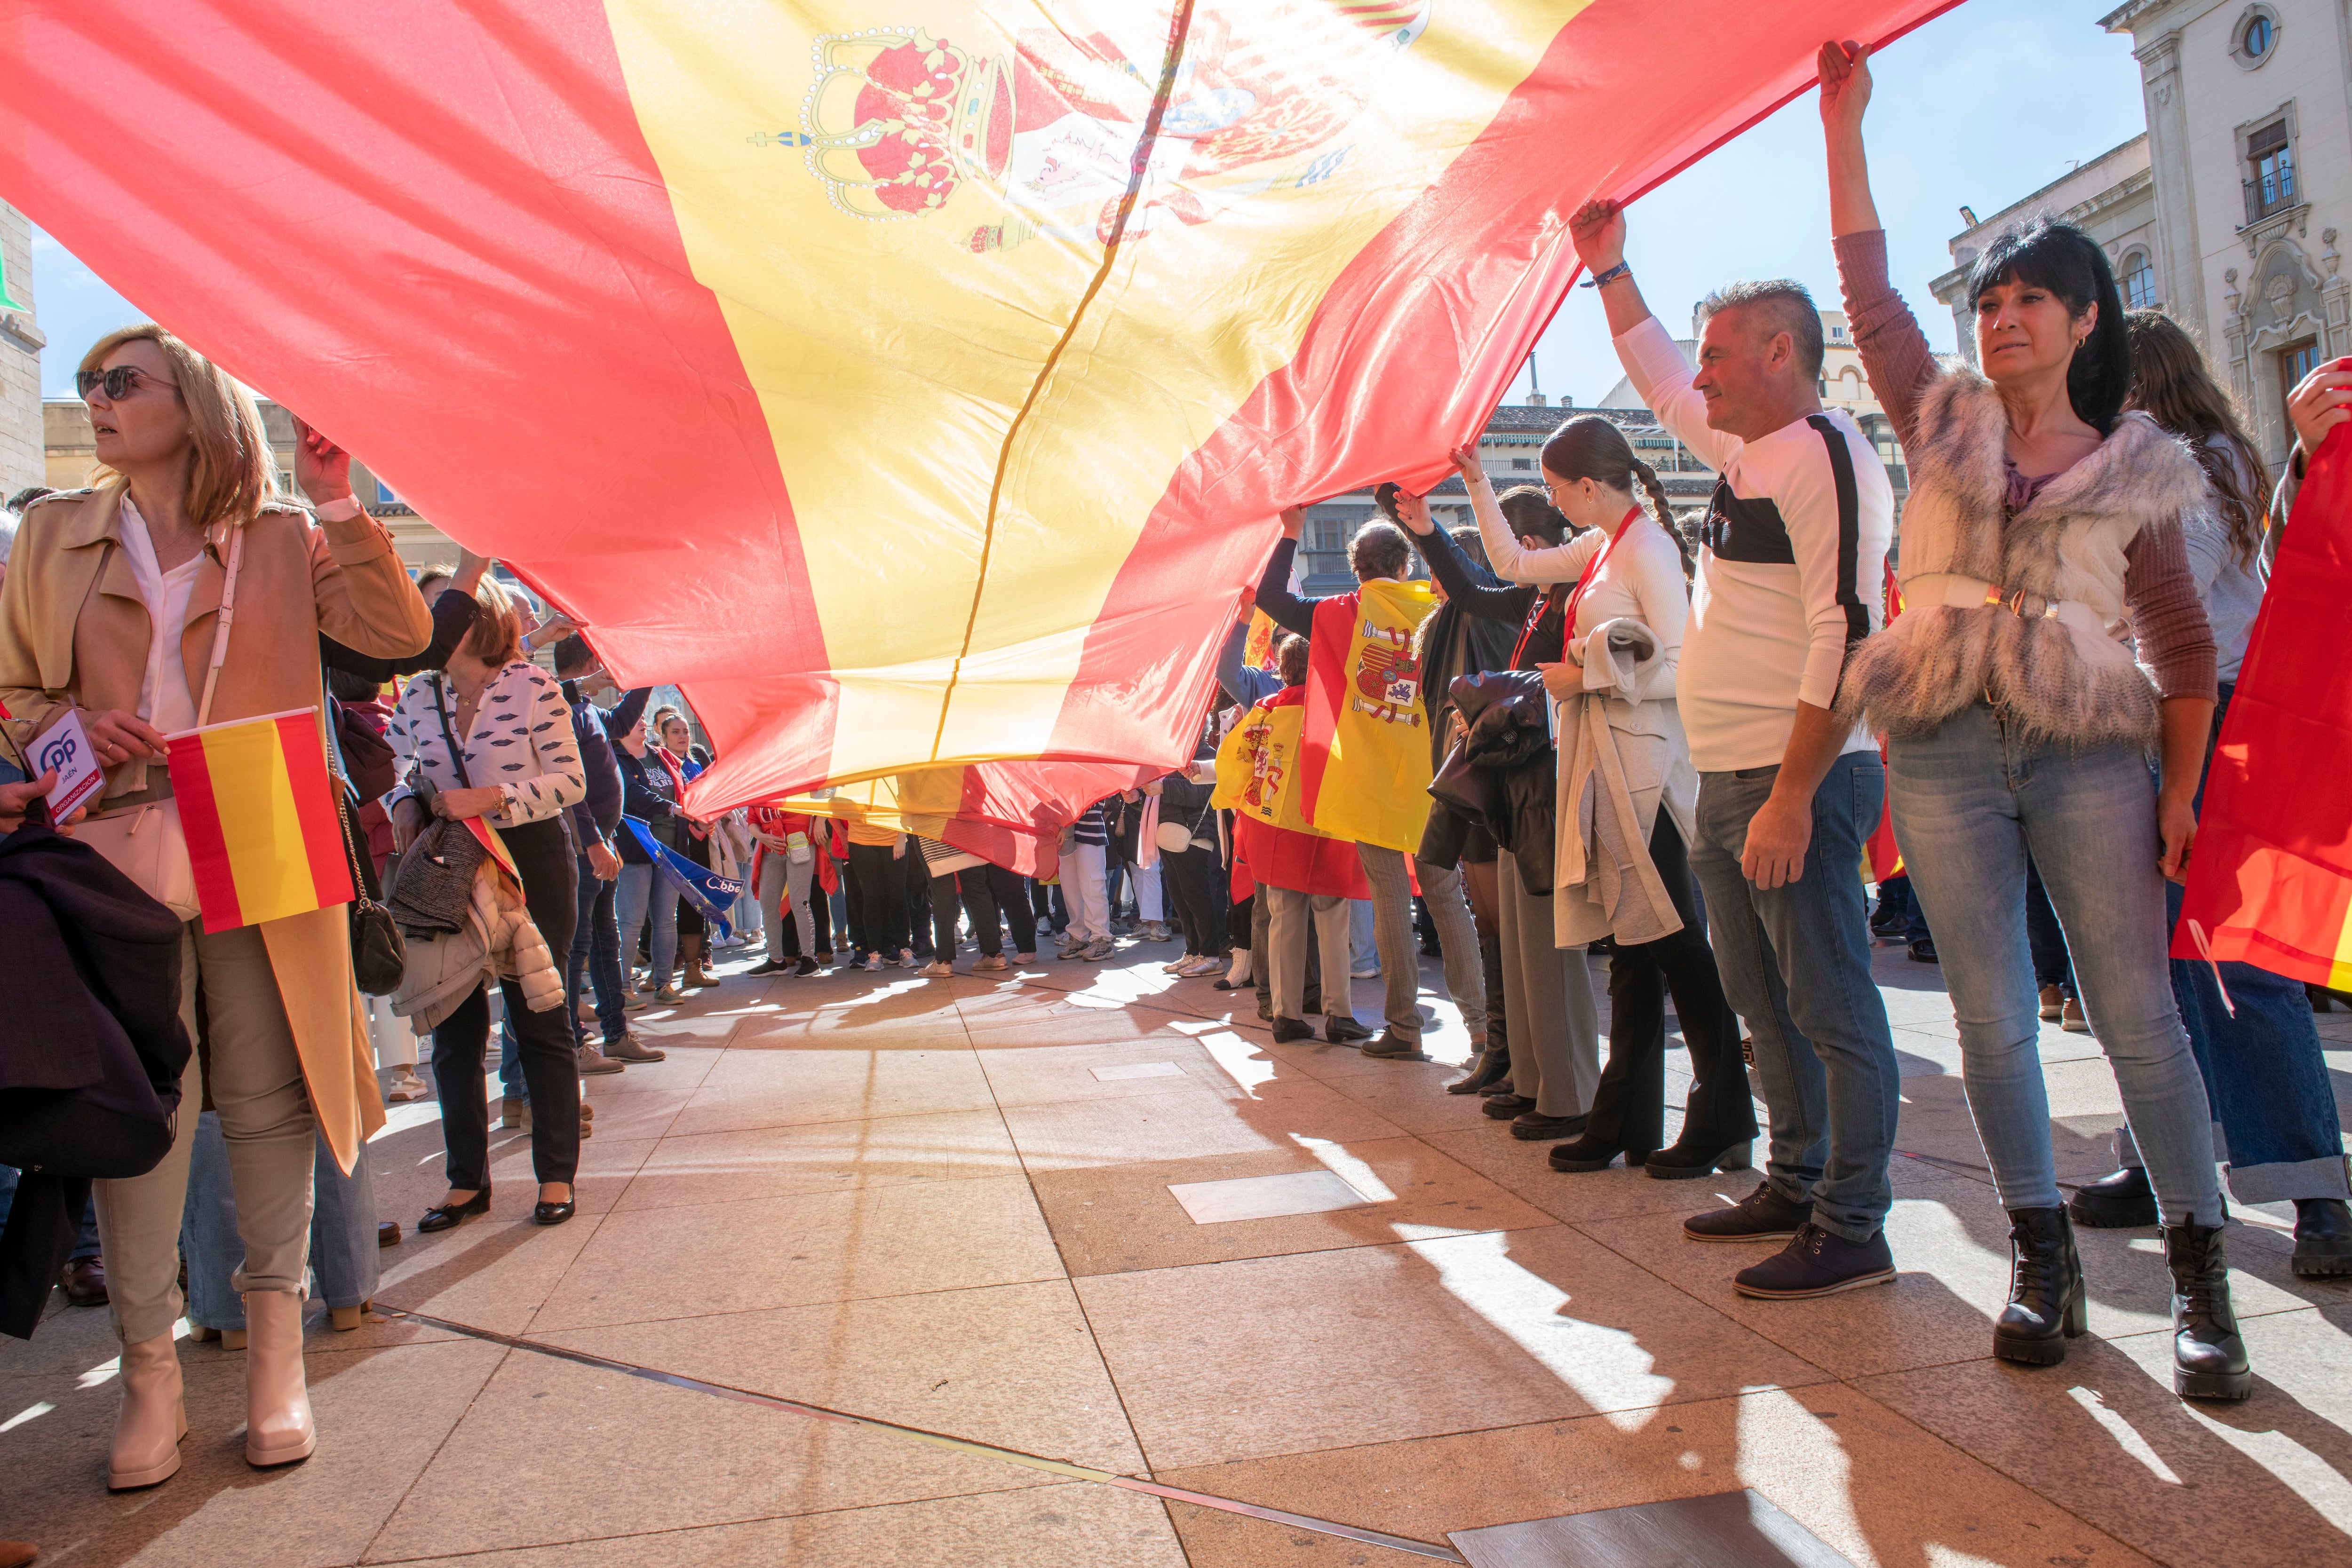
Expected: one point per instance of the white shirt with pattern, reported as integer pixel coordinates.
(520, 742)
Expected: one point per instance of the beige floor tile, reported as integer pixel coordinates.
(1044, 1074)
(685, 1063)
(822, 1157)
(1410, 1094)
(1247, 1359)
(1868, 1482)
(1045, 1527)
(1187, 1124)
(779, 1088)
(2197, 1486)
(1115, 1219)
(493, 1272)
(381, 1415)
(1010, 1365)
(1589, 1197)
(552, 1451)
(649, 1264)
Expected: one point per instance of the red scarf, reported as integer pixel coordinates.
(678, 790)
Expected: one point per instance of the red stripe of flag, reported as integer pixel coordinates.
(200, 822)
(314, 808)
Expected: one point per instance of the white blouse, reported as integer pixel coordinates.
(164, 699)
(1641, 581)
(522, 742)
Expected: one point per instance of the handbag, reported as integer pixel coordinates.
(379, 954)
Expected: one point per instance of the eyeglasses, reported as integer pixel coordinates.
(117, 382)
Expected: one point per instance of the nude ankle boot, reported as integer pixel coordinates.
(278, 1425)
(149, 1426)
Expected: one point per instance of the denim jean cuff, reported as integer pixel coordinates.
(1859, 1234)
(2324, 1178)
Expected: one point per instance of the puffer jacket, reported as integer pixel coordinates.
(497, 942)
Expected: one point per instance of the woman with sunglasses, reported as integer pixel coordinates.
(119, 603)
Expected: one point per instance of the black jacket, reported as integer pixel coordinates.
(453, 617)
(91, 1047)
(1502, 775)
(1537, 615)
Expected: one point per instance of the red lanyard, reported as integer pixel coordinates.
(1593, 572)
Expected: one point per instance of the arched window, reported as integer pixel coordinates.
(2137, 280)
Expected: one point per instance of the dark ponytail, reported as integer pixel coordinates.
(1591, 447)
(2058, 257)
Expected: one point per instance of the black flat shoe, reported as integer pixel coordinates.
(449, 1216)
(554, 1213)
(1503, 1107)
(1341, 1030)
(1531, 1125)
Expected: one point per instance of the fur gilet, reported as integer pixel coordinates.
(2053, 682)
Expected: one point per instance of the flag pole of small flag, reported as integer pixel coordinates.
(259, 811)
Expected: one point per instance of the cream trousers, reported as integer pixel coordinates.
(264, 1116)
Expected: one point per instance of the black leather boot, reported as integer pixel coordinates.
(2209, 1359)
(1493, 1064)
(2046, 1305)
(2115, 1202)
(2323, 1238)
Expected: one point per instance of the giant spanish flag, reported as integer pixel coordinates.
(2270, 877)
(915, 382)
(258, 812)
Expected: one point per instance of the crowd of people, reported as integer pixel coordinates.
(1624, 737)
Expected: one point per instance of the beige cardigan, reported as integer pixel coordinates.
(71, 637)
(1622, 756)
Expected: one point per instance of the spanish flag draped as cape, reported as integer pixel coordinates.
(913, 382)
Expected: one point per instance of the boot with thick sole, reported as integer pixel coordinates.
(1493, 1064)
(2208, 1358)
(2047, 1304)
(278, 1428)
(2115, 1202)
(691, 976)
(151, 1421)
(2323, 1238)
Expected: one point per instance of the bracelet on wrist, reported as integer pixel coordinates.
(1608, 276)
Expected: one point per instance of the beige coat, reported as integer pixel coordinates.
(69, 638)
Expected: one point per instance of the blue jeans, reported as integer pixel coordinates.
(344, 1252)
(596, 953)
(641, 892)
(1972, 801)
(1795, 964)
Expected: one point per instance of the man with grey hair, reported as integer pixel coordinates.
(1794, 551)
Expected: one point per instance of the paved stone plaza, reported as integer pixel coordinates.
(947, 1204)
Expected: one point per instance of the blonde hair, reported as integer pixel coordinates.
(231, 472)
(495, 636)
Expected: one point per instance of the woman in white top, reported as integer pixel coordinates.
(1616, 693)
(493, 736)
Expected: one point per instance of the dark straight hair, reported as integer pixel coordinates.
(2057, 256)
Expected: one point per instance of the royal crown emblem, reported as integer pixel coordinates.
(897, 120)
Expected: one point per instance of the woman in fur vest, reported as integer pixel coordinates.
(2044, 525)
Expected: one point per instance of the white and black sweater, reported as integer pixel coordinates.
(522, 742)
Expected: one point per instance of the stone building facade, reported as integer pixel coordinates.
(2250, 127)
(21, 343)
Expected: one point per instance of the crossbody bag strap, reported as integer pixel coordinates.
(441, 706)
(220, 628)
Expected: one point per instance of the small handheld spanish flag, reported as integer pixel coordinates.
(259, 811)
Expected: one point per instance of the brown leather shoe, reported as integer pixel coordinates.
(387, 1233)
(85, 1282)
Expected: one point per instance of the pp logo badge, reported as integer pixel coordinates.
(64, 749)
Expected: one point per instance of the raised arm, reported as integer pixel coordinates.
(1895, 352)
(1284, 608)
(1243, 684)
(1644, 347)
(1463, 583)
(1513, 561)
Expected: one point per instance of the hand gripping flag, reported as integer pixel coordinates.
(2270, 877)
(1364, 763)
(940, 367)
(712, 895)
(258, 812)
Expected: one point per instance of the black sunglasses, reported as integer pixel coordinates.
(117, 382)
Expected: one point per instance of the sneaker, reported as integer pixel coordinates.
(1177, 965)
(671, 992)
(937, 969)
(1817, 1262)
(769, 967)
(632, 1001)
(873, 965)
(1763, 1216)
(989, 961)
(2053, 1003)
(1371, 974)
(629, 1048)
(1201, 967)
(2071, 1019)
(595, 1061)
(1097, 951)
(907, 959)
(806, 967)
(405, 1086)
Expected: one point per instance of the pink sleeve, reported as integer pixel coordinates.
(1895, 352)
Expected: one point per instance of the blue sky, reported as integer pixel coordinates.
(1981, 106)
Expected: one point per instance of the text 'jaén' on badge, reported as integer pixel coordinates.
(65, 749)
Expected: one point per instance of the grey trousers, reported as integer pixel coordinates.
(1548, 996)
(1392, 937)
(1288, 913)
(265, 1118)
(1457, 933)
